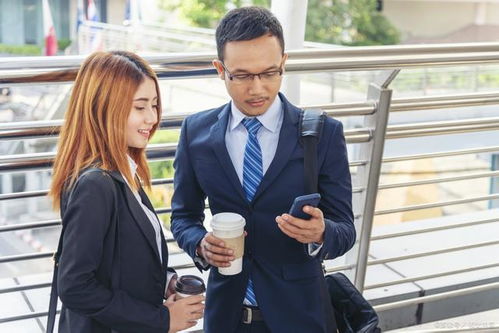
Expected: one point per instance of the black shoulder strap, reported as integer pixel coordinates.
(53, 292)
(311, 123)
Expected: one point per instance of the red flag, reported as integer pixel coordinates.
(48, 31)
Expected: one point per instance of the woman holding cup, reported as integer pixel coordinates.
(112, 259)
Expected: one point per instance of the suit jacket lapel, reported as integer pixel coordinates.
(217, 140)
(164, 248)
(140, 217)
(288, 139)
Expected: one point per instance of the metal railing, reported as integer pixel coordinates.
(366, 163)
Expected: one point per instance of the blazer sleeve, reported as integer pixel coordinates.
(188, 200)
(335, 187)
(87, 219)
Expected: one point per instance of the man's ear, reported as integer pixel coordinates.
(284, 59)
(220, 70)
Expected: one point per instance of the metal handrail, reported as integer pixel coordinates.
(339, 268)
(440, 124)
(58, 222)
(29, 256)
(464, 50)
(443, 102)
(428, 276)
(431, 253)
(378, 308)
(438, 180)
(358, 135)
(442, 127)
(437, 204)
(30, 315)
(31, 225)
(22, 195)
(436, 297)
(432, 229)
(49, 128)
(481, 150)
(24, 287)
(154, 152)
(63, 69)
(402, 50)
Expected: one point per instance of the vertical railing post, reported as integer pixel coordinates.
(293, 16)
(368, 175)
(494, 181)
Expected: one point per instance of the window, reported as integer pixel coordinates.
(32, 19)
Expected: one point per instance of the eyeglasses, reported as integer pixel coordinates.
(267, 76)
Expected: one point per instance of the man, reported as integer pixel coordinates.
(245, 158)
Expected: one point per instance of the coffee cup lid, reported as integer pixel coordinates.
(190, 285)
(227, 221)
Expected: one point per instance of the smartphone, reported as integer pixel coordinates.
(304, 200)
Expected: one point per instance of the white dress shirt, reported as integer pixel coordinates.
(153, 218)
(236, 137)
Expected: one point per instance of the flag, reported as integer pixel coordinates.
(92, 14)
(48, 31)
(80, 17)
(132, 13)
(128, 13)
(96, 35)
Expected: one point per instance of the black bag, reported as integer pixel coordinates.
(352, 311)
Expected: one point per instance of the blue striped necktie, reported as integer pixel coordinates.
(252, 176)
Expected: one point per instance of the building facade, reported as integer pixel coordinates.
(21, 21)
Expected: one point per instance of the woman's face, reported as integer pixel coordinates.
(143, 116)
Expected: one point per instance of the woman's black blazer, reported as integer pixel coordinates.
(110, 274)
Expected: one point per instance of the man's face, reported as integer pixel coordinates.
(252, 96)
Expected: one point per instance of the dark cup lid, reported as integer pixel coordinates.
(190, 285)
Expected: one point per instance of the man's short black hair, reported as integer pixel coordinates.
(247, 23)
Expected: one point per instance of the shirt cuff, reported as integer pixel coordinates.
(201, 262)
(169, 277)
(314, 248)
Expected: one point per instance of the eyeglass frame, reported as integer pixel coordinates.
(231, 76)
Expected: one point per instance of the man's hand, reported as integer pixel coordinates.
(304, 231)
(213, 250)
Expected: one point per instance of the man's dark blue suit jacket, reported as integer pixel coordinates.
(288, 282)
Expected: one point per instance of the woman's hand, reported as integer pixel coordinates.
(185, 312)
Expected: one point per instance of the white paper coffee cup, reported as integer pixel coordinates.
(230, 228)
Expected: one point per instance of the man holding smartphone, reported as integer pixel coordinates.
(245, 158)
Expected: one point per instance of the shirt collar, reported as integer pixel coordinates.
(269, 120)
(132, 164)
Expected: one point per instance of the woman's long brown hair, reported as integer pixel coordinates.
(93, 133)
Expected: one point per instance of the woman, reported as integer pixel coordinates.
(112, 270)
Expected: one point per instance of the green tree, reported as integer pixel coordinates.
(354, 22)
(207, 13)
(344, 22)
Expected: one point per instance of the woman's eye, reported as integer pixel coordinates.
(140, 108)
